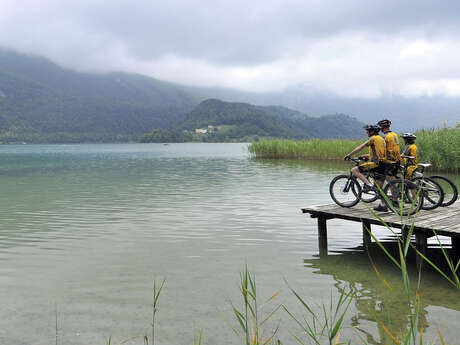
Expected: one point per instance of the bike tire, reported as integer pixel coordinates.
(449, 188)
(345, 191)
(370, 196)
(407, 197)
(433, 194)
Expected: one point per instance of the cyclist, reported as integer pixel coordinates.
(393, 158)
(410, 154)
(376, 156)
(392, 145)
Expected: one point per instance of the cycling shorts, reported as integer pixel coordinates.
(391, 168)
(410, 171)
(371, 166)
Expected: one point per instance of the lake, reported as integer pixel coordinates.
(86, 229)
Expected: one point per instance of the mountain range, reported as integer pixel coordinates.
(41, 101)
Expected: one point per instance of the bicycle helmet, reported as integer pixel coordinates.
(409, 136)
(372, 128)
(384, 123)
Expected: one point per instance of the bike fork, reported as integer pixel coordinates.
(347, 186)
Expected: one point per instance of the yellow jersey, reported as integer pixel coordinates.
(392, 145)
(377, 151)
(410, 150)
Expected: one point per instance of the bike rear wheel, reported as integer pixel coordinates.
(403, 197)
(433, 195)
(345, 190)
(449, 188)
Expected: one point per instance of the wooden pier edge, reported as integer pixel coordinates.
(443, 221)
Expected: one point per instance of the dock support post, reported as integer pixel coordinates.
(322, 236)
(455, 249)
(421, 245)
(367, 238)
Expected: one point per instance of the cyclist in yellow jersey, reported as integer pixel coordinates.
(393, 158)
(392, 144)
(410, 154)
(376, 156)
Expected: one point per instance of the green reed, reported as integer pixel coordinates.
(436, 146)
(156, 297)
(248, 317)
(198, 340)
(440, 147)
(308, 149)
(325, 324)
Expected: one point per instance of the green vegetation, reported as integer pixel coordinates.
(303, 149)
(39, 100)
(440, 147)
(241, 122)
(248, 317)
(436, 146)
(245, 120)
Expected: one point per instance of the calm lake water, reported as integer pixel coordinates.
(85, 230)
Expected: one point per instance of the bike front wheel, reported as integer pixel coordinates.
(372, 195)
(345, 190)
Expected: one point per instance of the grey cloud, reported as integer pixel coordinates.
(220, 32)
(257, 45)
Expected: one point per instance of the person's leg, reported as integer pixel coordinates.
(355, 171)
(381, 170)
(391, 175)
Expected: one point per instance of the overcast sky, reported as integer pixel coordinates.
(351, 48)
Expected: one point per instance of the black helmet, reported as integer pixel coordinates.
(384, 122)
(372, 128)
(409, 136)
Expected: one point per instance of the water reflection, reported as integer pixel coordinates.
(380, 300)
(88, 226)
(310, 164)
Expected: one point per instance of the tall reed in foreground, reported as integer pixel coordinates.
(156, 297)
(249, 316)
(324, 324)
(199, 340)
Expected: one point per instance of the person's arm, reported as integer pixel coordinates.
(357, 149)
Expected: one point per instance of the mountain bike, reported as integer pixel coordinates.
(346, 191)
(433, 194)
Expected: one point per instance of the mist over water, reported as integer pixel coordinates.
(85, 229)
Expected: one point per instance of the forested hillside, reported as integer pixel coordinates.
(42, 102)
(248, 120)
(38, 99)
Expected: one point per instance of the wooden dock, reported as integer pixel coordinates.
(444, 221)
